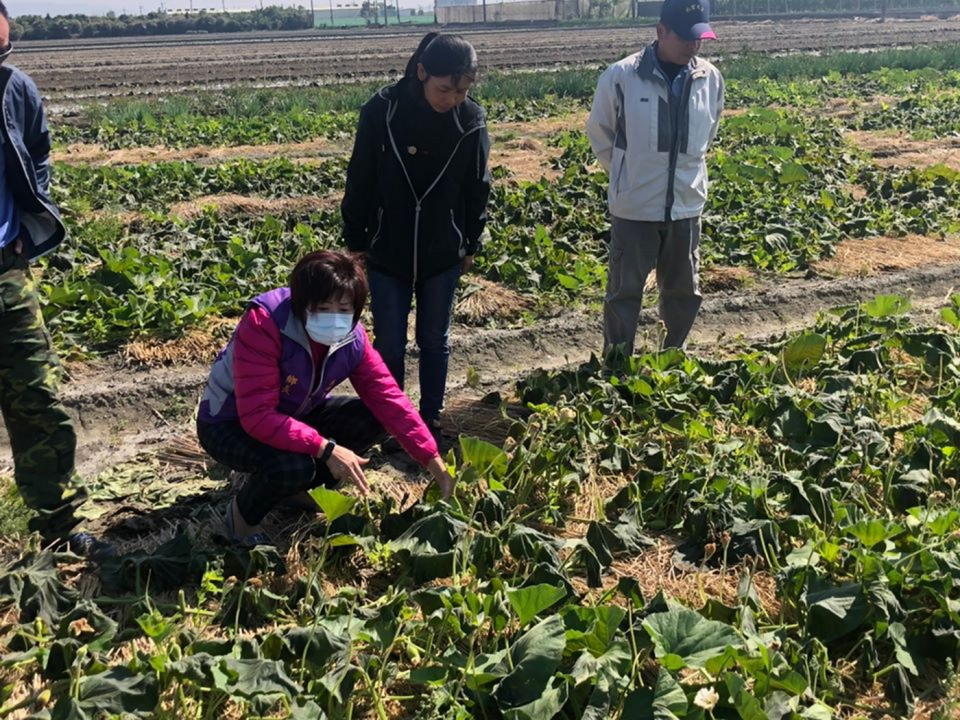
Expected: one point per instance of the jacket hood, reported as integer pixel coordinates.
(469, 115)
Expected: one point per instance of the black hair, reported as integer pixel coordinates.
(3, 11)
(327, 275)
(442, 56)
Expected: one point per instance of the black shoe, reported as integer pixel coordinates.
(86, 545)
(436, 429)
(445, 440)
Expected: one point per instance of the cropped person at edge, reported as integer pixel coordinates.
(267, 408)
(654, 115)
(42, 435)
(416, 205)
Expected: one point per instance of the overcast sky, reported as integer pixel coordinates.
(99, 7)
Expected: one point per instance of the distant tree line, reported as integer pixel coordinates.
(40, 27)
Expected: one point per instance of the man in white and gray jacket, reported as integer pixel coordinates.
(654, 115)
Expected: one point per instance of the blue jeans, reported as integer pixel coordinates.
(390, 300)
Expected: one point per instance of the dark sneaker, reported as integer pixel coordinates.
(445, 440)
(436, 429)
(86, 545)
(244, 541)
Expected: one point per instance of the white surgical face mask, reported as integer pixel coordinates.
(328, 328)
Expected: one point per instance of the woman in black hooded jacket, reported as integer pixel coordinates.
(415, 204)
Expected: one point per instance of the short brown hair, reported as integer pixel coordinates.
(327, 275)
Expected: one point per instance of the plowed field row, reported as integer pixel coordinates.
(83, 71)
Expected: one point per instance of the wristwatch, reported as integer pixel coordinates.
(328, 450)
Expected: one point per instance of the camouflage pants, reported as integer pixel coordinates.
(41, 433)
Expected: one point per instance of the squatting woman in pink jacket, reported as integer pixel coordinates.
(267, 409)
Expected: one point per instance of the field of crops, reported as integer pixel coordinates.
(801, 491)
(154, 254)
(766, 527)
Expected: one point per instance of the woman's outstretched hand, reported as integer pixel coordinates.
(345, 465)
(442, 477)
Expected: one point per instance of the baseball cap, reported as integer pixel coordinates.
(690, 19)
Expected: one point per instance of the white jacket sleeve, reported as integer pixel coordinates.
(716, 125)
(602, 123)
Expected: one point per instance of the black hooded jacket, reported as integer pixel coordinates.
(417, 183)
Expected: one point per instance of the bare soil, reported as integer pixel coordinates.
(92, 154)
(255, 206)
(526, 159)
(73, 71)
(897, 149)
(845, 107)
(542, 128)
(522, 146)
(860, 257)
(722, 278)
(231, 205)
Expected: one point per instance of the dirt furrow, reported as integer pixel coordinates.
(898, 149)
(135, 68)
(509, 138)
(84, 153)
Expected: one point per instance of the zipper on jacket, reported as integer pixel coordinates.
(416, 239)
(675, 143)
(418, 199)
(460, 244)
(376, 235)
(323, 369)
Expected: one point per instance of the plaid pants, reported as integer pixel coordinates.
(278, 474)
